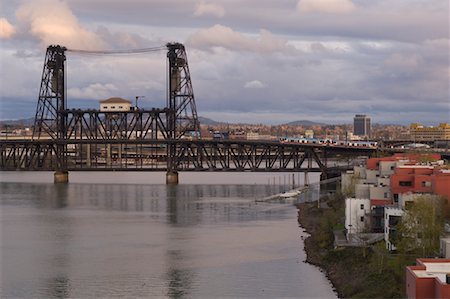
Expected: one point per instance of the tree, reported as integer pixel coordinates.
(349, 188)
(422, 225)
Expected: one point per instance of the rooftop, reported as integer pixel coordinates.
(115, 100)
(434, 269)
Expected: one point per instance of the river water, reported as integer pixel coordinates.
(128, 234)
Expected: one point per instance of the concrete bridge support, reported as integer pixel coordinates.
(61, 177)
(172, 178)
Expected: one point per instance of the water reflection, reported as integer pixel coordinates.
(180, 280)
(107, 240)
(58, 287)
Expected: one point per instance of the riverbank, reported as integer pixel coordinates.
(354, 272)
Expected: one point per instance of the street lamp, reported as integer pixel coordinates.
(137, 98)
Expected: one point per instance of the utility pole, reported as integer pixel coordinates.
(137, 98)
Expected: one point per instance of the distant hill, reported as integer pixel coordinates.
(207, 121)
(304, 123)
(26, 122)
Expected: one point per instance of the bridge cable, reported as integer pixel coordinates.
(115, 52)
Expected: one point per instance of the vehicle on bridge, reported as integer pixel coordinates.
(329, 142)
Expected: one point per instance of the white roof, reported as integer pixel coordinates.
(438, 270)
(115, 100)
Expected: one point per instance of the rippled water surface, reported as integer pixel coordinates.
(140, 240)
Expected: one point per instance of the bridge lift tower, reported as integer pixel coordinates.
(51, 119)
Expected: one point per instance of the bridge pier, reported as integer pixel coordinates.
(172, 178)
(61, 177)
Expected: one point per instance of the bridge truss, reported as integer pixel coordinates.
(151, 155)
(155, 139)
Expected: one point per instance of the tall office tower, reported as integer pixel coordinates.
(361, 125)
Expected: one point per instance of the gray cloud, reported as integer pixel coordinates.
(386, 58)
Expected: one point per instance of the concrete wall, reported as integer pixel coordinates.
(362, 191)
(385, 181)
(445, 247)
(378, 192)
(107, 107)
(387, 167)
(372, 176)
(359, 171)
(388, 213)
(356, 211)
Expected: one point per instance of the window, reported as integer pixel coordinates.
(120, 107)
(361, 218)
(395, 197)
(113, 107)
(394, 220)
(361, 207)
(105, 107)
(426, 184)
(392, 167)
(386, 195)
(405, 183)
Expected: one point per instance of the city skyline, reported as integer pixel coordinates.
(321, 60)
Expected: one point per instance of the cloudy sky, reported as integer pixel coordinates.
(257, 61)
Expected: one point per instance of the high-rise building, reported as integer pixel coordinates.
(361, 125)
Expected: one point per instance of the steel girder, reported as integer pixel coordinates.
(51, 101)
(97, 125)
(244, 156)
(151, 155)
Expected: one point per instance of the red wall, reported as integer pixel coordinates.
(418, 288)
(441, 184)
(441, 290)
(414, 175)
(380, 202)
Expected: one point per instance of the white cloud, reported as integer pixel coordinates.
(96, 91)
(6, 29)
(225, 37)
(53, 22)
(255, 84)
(326, 6)
(205, 9)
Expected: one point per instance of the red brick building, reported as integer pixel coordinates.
(428, 279)
(420, 179)
(412, 159)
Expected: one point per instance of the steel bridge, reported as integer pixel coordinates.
(157, 139)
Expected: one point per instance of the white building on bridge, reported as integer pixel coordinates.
(115, 104)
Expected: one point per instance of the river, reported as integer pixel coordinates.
(128, 234)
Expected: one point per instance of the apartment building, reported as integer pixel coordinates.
(385, 188)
